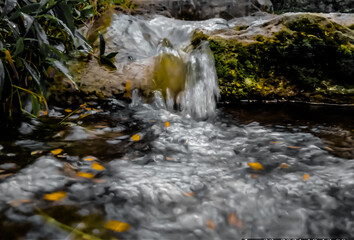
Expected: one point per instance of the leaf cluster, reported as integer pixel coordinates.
(36, 39)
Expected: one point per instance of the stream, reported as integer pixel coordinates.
(175, 164)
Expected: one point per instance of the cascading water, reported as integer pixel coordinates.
(186, 76)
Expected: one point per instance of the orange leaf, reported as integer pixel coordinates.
(56, 196)
(85, 175)
(294, 147)
(210, 224)
(136, 137)
(42, 113)
(18, 202)
(233, 220)
(169, 159)
(306, 177)
(167, 124)
(256, 166)
(189, 194)
(284, 165)
(97, 166)
(254, 175)
(88, 109)
(117, 226)
(57, 151)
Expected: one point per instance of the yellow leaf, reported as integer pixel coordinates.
(56, 196)
(97, 166)
(84, 115)
(294, 147)
(88, 109)
(68, 110)
(57, 151)
(306, 177)
(167, 124)
(284, 165)
(117, 226)
(210, 224)
(37, 152)
(85, 175)
(329, 149)
(89, 158)
(128, 89)
(256, 166)
(136, 137)
(274, 142)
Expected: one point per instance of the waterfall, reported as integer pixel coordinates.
(185, 76)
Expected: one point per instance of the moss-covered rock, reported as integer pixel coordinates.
(293, 56)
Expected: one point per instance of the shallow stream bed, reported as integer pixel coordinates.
(181, 178)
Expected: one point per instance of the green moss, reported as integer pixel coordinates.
(306, 56)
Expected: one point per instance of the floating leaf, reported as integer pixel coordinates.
(210, 224)
(57, 151)
(97, 166)
(56, 196)
(329, 149)
(167, 124)
(189, 194)
(37, 152)
(85, 175)
(256, 166)
(136, 137)
(284, 165)
(96, 180)
(274, 142)
(117, 226)
(306, 177)
(68, 110)
(89, 158)
(294, 147)
(169, 159)
(128, 89)
(234, 221)
(254, 175)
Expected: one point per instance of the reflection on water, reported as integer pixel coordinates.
(188, 180)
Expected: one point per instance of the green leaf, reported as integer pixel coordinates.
(108, 62)
(19, 47)
(35, 105)
(27, 21)
(2, 77)
(31, 8)
(63, 25)
(32, 72)
(111, 55)
(41, 35)
(67, 17)
(60, 67)
(102, 45)
(8, 7)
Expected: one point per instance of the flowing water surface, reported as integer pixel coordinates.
(178, 167)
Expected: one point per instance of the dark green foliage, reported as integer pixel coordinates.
(107, 60)
(35, 38)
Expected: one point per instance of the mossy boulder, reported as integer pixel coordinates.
(296, 56)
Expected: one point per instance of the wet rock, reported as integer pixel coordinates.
(269, 57)
(77, 133)
(26, 128)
